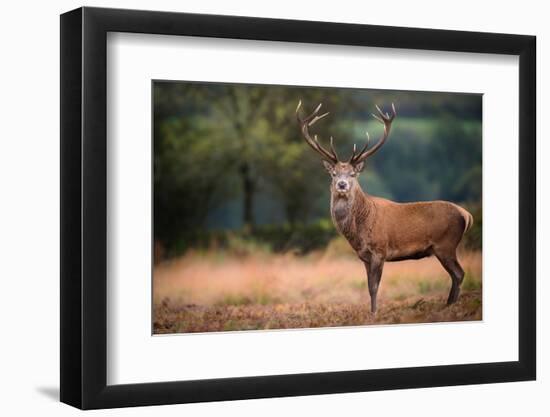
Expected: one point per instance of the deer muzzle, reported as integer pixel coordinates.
(342, 186)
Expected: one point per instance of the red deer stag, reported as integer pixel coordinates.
(381, 230)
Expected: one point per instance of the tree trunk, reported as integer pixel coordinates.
(248, 197)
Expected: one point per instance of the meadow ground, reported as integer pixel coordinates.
(217, 291)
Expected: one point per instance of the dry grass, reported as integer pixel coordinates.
(215, 291)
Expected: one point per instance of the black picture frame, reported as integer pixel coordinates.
(84, 207)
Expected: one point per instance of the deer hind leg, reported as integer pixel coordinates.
(452, 266)
(374, 274)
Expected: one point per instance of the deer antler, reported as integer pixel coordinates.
(308, 121)
(386, 119)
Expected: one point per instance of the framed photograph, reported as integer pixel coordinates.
(258, 208)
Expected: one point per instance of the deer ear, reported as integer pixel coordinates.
(328, 166)
(359, 167)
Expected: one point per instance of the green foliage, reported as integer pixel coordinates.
(471, 283)
(426, 159)
(299, 238)
(359, 284)
(241, 245)
(424, 287)
(229, 157)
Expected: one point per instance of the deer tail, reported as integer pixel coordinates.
(468, 219)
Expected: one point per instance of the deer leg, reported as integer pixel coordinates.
(374, 274)
(451, 265)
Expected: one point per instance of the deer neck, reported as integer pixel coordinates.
(349, 211)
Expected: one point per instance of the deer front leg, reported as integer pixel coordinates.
(374, 274)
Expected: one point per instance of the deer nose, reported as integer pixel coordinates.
(342, 184)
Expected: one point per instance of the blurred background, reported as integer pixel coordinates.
(231, 158)
(234, 179)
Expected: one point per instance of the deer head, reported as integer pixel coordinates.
(344, 173)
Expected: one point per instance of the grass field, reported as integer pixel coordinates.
(217, 291)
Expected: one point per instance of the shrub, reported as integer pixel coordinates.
(299, 238)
